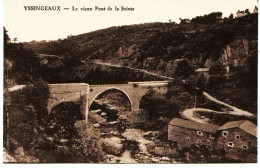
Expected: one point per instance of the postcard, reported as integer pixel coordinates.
(128, 81)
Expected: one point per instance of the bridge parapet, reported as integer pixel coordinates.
(111, 85)
(146, 82)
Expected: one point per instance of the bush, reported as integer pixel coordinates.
(39, 98)
(159, 109)
(21, 124)
(184, 69)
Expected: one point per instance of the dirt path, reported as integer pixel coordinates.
(236, 111)
(16, 87)
(189, 113)
(136, 69)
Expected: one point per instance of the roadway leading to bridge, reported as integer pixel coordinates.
(135, 69)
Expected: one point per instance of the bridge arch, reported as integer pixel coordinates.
(73, 108)
(111, 88)
(53, 102)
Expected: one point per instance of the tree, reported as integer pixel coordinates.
(6, 37)
(207, 19)
(217, 69)
(183, 69)
(14, 39)
(202, 82)
(231, 16)
(39, 98)
(247, 11)
(152, 103)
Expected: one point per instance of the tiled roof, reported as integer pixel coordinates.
(211, 128)
(242, 124)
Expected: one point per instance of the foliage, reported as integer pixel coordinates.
(39, 98)
(217, 69)
(24, 113)
(159, 109)
(165, 42)
(24, 63)
(81, 147)
(20, 118)
(202, 82)
(207, 19)
(201, 154)
(184, 68)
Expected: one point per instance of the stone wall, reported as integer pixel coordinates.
(245, 139)
(186, 137)
(237, 152)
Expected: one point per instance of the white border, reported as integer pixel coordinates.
(103, 165)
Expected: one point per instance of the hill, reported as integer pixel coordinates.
(228, 47)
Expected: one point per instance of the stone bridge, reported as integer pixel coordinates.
(86, 94)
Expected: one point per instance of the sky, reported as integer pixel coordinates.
(45, 25)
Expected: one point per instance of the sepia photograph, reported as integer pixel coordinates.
(130, 82)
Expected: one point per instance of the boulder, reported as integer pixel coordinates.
(96, 125)
(114, 133)
(112, 145)
(63, 141)
(95, 118)
(103, 114)
(113, 122)
(7, 158)
(19, 151)
(51, 139)
(150, 134)
(98, 111)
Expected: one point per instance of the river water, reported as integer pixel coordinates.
(126, 158)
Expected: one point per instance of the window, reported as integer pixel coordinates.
(199, 133)
(237, 137)
(188, 138)
(244, 147)
(230, 144)
(91, 90)
(211, 137)
(224, 133)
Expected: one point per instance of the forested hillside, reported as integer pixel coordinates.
(156, 46)
(228, 46)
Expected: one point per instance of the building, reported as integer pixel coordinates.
(237, 136)
(186, 133)
(239, 140)
(241, 14)
(203, 71)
